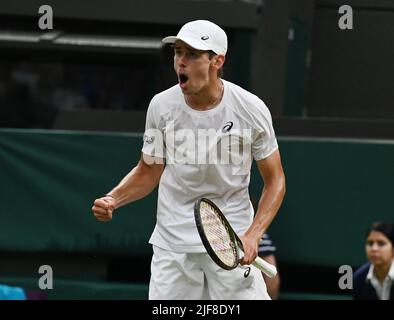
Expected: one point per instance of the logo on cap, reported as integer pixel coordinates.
(204, 37)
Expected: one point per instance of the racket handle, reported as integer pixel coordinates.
(264, 266)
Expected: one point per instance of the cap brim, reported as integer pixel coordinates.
(170, 39)
(189, 41)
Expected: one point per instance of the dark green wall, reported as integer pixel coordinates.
(335, 190)
(48, 183)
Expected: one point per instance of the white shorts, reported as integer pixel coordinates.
(195, 276)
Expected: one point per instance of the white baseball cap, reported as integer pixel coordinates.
(201, 35)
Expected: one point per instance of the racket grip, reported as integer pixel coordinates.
(264, 266)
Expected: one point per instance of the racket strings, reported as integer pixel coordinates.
(218, 235)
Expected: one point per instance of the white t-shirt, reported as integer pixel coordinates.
(216, 167)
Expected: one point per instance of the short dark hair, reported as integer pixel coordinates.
(384, 227)
(211, 54)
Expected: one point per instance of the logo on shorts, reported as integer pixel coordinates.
(227, 127)
(204, 37)
(247, 272)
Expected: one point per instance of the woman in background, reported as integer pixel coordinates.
(374, 280)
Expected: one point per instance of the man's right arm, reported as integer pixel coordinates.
(138, 183)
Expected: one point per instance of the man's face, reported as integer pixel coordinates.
(193, 68)
(378, 248)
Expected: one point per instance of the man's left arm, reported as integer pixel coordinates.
(271, 198)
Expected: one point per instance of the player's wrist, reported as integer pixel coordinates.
(109, 195)
(254, 235)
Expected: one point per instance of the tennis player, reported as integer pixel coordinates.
(176, 155)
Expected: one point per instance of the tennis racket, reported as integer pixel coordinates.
(220, 240)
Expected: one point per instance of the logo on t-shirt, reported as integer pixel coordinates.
(227, 127)
(149, 139)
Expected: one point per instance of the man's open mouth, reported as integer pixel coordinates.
(183, 79)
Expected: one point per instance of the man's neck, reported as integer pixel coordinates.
(208, 98)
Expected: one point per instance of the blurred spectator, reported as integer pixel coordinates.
(373, 280)
(11, 293)
(33, 93)
(267, 252)
(16, 111)
(68, 99)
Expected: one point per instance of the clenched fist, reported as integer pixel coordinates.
(103, 208)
